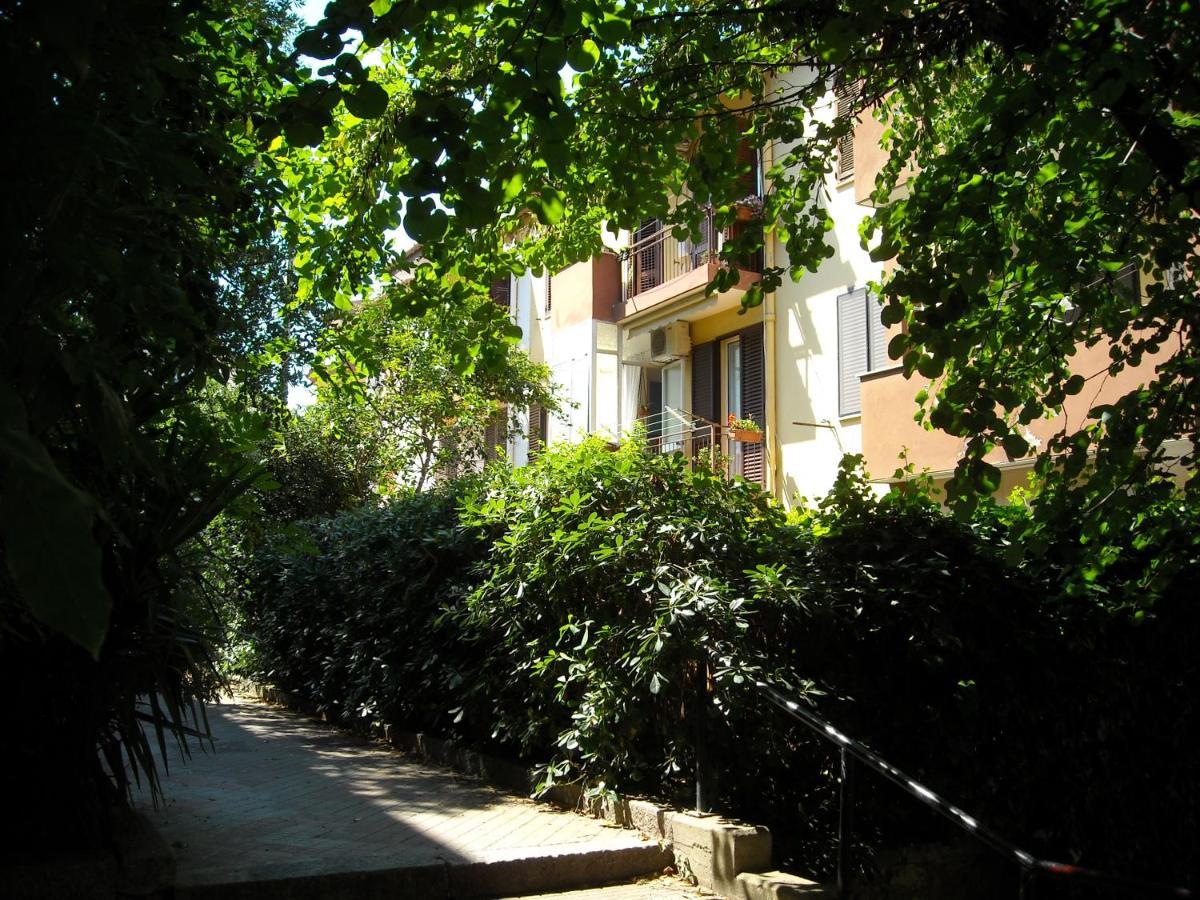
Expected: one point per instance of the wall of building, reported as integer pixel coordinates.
(811, 436)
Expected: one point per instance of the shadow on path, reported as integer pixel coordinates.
(283, 798)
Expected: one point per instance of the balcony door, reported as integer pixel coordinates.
(672, 411)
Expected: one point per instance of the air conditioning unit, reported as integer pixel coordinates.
(670, 342)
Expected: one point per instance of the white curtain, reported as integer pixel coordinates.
(631, 394)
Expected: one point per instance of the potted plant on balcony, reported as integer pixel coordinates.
(745, 430)
(749, 209)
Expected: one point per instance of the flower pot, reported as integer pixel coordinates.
(746, 213)
(747, 436)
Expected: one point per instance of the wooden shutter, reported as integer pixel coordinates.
(500, 292)
(537, 429)
(747, 157)
(846, 94)
(877, 337)
(754, 400)
(494, 434)
(549, 282)
(648, 260)
(853, 351)
(705, 381)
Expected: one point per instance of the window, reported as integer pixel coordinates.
(862, 346)
(500, 290)
(549, 281)
(846, 96)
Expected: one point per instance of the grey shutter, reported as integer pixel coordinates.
(876, 334)
(704, 380)
(846, 94)
(853, 353)
(754, 400)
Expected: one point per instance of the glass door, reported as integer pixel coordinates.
(672, 411)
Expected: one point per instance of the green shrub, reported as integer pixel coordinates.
(599, 613)
(350, 620)
(614, 580)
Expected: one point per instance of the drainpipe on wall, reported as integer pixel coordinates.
(772, 444)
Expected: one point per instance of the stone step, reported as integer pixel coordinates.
(503, 875)
(665, 888)
(780, 886)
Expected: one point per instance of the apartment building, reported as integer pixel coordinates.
(633, 336)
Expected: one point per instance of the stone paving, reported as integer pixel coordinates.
(284, 798)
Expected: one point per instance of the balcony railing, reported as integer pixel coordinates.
(658, 257)
(700, 441)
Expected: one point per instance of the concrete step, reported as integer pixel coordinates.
(780, 886)
(664, 888)
(505, 874)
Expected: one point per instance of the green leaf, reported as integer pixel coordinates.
(1015, 446)
(1046, 173)
(369, 101)
(423, 223)
(583, 56)
(303, 133)
(51, 554)
(318, 44)
(549, 207)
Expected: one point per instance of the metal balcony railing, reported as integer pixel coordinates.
(657, 257)
(701, 441)
(679, 431)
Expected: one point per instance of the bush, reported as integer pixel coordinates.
(615, 581)
(600, 613)
(350, 618)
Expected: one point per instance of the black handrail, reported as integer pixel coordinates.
(1031, 866)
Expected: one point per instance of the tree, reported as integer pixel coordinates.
(137, 188)
(1056, 143)
(436, 388)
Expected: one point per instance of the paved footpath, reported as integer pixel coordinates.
(287, 807)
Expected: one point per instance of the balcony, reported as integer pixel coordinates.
(658, 268)
(703, 443)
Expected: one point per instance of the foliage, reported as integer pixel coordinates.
(1054, 144)
(569, 615)
(434, 383)
(616, 580)
(352, 620)
(325, 459)
(140, 192)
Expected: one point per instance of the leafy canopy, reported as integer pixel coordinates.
(1054, 144)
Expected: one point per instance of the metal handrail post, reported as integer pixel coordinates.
(845, 821)
(704, 799)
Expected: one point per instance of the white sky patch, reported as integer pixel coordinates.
(300, 396)
(311, 11)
